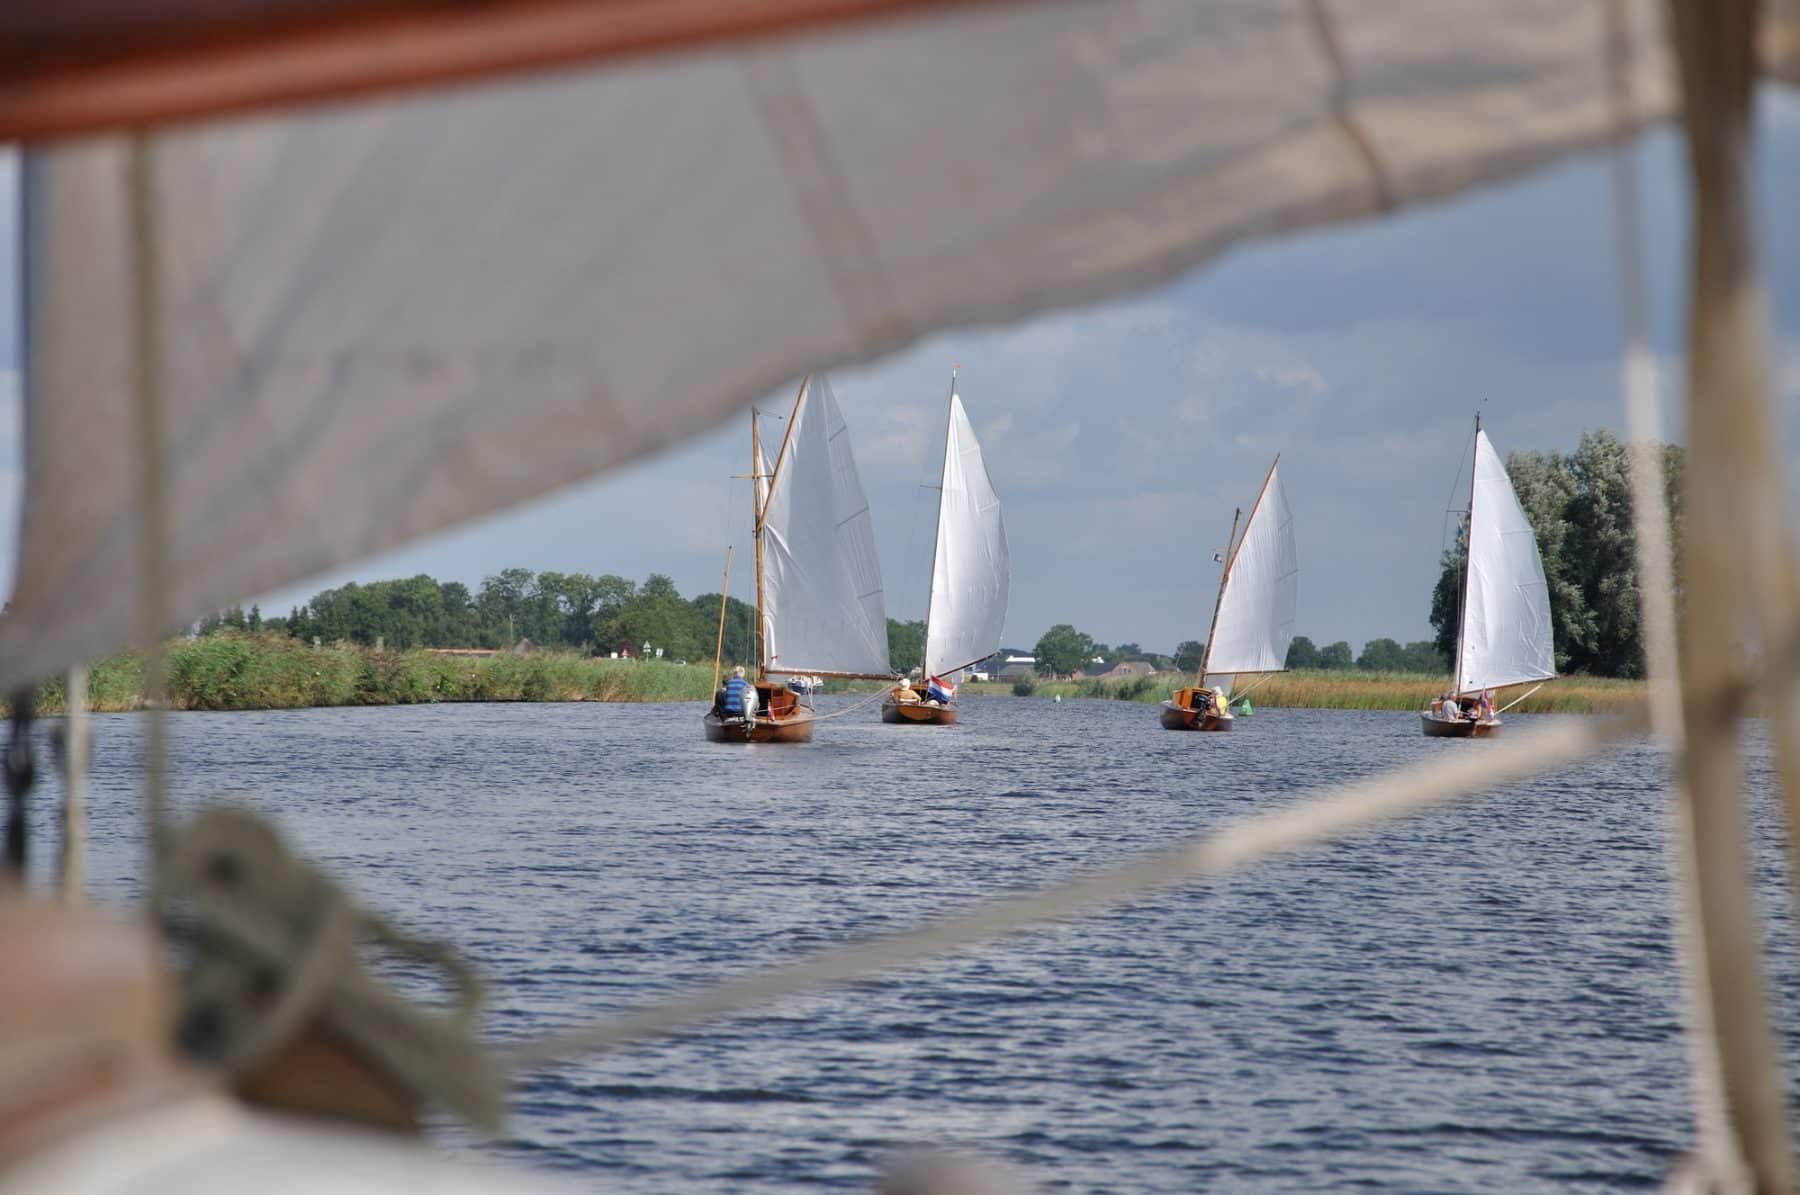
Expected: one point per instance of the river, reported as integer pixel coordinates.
(1479, 999)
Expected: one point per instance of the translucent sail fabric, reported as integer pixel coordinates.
(970, 571)
(382, 317)
(1506, 635)
(1256, 610)
(822, 609)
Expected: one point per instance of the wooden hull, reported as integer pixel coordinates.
(918, 713)
(1462, 728)
(796, 728)
(1175, 717)
(780, 718)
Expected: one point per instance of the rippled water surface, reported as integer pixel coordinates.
(1477, 1000)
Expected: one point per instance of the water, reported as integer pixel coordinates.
(1480, 999)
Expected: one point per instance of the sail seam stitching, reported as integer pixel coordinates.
(1363, 145)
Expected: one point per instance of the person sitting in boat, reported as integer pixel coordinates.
(1446, 709)
(905, 694)
(739, 696)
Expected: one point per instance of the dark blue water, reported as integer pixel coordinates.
(1481, 999)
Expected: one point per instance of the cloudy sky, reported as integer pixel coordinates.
(1121, 436)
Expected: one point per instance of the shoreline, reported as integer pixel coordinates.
(241, 671)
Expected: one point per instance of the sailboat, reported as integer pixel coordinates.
(1253, 616)
(1503, 634)
(970, 575)
(819, 605)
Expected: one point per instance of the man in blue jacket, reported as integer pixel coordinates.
(740, 695)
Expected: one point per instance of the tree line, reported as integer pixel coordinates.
(1063, 651)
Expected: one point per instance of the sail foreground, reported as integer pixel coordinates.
(1256, 610)
(1506, 636)
(971, 571)
(822, 602)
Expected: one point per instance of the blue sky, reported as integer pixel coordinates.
(1120, 436)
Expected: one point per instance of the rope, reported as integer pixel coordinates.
(275, 953)
(1327, 815)
(863, 704)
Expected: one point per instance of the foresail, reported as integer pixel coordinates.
(1256, 611)
(1506, 633)
(971, 571)
(822, 602)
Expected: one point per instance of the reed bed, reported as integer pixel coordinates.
(1337, 690)
(243, 671)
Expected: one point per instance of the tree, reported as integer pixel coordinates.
(1301, 653)
(906, 645)
(1423, 656)
(1382, 655)
(1063, 650)
(255, 622)
(1336, 656)
(1189, 655)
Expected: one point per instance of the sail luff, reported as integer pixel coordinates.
(1254, 622)
(1507, 637)
(1462, 592)
(1231, 546)
(823, 611)
(971, 566)
(937, 539)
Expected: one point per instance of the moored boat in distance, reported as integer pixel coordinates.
(819, 609)
(1503, 631)
(971, 574)
(1253, 615)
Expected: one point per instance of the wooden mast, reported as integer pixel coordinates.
(1462, 591)
(1224, 575)
(937, 531)
(724, 599)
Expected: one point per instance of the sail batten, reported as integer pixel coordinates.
(822, 601)
(1506, 636)
(971, 569)
(1256, 614)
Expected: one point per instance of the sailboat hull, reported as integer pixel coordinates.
(1179, 717)
(780, 718)
(1462, 728)
(917, 713)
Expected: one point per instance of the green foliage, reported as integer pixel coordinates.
(1336, 657)
(1024, 686)
(1062, 651)
(1189, 654)
(1302, 653)
(906, 645)
(1579, 506)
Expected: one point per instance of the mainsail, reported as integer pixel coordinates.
(1255, 621)
(970, 571)
(822, 608)
(1505, 636)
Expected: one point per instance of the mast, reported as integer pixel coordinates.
(937, 531)
(1224, 575)
(724, 599)
(756, 523)
(1462, 591)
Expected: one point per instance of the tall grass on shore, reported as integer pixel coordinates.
(1343, 690)
(245, 671)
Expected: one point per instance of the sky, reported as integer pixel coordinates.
(1121, 436)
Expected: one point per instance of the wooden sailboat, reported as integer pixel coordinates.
(1253, 615)
(819, 605)
(970, 575)
(1503, 632)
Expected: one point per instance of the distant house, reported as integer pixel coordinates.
(1121, 670)
(1013, 667)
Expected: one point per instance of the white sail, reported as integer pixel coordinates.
(1506, 604)
(822, 608)
(970, 571)
(1256, 609)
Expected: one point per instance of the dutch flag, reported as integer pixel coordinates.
(940, 689)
